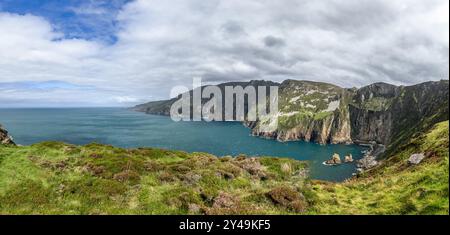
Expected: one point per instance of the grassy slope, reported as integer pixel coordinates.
(308, 100)
(57, 178)
(396, 187)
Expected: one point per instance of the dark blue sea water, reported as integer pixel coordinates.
(124, 128)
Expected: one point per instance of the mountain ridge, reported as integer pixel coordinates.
(326, 113)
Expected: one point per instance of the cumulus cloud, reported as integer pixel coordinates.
(161, 44)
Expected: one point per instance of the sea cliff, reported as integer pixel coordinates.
(326, 113)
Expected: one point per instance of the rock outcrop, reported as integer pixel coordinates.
(4, 137)
(370, 159)
(348, 158)
(335, 160)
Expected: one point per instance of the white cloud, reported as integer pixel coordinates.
(165, 43)
(127, 99)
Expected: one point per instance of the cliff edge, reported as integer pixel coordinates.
(4, 137)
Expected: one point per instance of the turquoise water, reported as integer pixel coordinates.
(124, 128)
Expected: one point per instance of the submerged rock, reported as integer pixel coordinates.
(416, 158)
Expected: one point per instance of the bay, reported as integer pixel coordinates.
(124, 128)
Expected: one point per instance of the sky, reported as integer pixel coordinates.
(122, 52)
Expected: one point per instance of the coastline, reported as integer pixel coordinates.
(371, 156)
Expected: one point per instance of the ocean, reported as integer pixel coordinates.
(124, 128)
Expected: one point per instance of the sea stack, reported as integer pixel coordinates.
(335, 160)
(348, 159)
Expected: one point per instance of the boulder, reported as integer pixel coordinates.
(416, 158)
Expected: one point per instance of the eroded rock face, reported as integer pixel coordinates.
(369, 125)
(380, 112)
(309, 111)
(4, 137)
(387, 114)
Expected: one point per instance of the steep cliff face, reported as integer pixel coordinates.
(368, 125)
(370, 115)
(4, 137)
(310, 111)
(389, 114)
(325, 113)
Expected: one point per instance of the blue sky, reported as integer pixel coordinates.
(91, 20)
(57, 53)
(42, 86)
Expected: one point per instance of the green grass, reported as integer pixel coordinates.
(377, 104)
(395, 187)
(58, 178)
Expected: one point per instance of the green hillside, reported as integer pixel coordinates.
(395, 186)
(58, 178)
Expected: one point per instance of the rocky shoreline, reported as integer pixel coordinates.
(370, 158)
